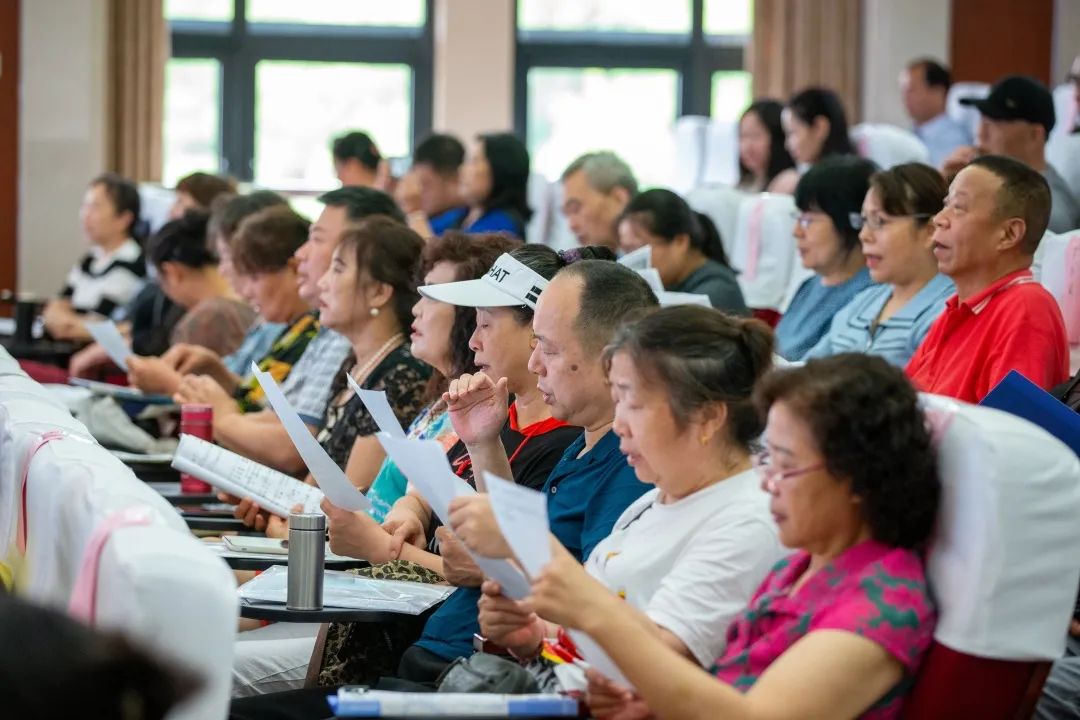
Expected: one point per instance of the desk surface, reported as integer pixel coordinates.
(277, 612)
(217, 524)
(259, 561)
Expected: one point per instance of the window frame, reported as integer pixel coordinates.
(239, 46)
(694, 58)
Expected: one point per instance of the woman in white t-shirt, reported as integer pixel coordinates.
(690, 553)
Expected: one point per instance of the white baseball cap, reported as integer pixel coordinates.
(507, 284)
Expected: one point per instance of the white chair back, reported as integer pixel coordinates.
(1065, 110)
(1063, 152)
(721, 204)
(1057, 268)
(539, 195)
(721, 164)
(965, 114)
(155, 202)
(763, 251)
(689, 137)
(888, 145)
(154, 582)
(1005, 560)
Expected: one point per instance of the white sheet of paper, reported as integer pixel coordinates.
(668, 298)
(424, 463)
(523, 519)
(331, 479)
(652, 276)
(108, 337)
(594, 655)
(376, 404)
(638, 259)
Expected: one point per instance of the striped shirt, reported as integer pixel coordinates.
(308, 386)
(104, 282)
(855, 327)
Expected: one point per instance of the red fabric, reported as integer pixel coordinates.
(42, 373)
(953, 685)
(1014, 324)
(769, 317)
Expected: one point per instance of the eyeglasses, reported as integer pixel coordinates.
(876, 222)
(803, 219)
(772, 475)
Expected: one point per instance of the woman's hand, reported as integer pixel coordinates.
(188, 359)
(152, 375)
(405, 527)
(473, 521)
(478, 407)
(356, 535)
(205, 390)
(247, 511)
(609, 700)
(565, 594)
(86, 361)
(509, 623)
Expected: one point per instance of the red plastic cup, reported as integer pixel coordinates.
(197, 420)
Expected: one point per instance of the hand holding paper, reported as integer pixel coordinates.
(522, 517)
(108, 336)
(331, 479)
(424, 463)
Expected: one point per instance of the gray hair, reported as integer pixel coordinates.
(604, 171)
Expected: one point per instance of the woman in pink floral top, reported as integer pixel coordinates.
(836, 630)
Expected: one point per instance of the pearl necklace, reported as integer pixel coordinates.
(360, 373)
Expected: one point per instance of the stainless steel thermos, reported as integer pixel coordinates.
(307, 559)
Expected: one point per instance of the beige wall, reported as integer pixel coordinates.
(62, 132)
(474, 66)
(896, 31)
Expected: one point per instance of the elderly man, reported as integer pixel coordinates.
(1000, 319)
(596, 188)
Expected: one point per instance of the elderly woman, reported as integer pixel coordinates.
(837, 629)
(687, 555)
(895, 229)
(827, 197)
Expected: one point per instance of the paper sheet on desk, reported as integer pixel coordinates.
(424, 463)
(108, 337)
(376, 404)
(332, 480)
(523, 519)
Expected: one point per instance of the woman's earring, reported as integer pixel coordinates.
(374, 312)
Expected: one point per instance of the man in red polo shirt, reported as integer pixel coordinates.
(1000, 319)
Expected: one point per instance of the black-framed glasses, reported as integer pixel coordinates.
(876, 222)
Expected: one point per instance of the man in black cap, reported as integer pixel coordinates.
(1017, 117)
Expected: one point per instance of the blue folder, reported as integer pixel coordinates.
(1017, 395)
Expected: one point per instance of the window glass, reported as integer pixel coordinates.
(192, 118)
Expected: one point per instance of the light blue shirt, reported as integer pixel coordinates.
(941, 136)
(811, 311)
(256, 345)
(853, 328)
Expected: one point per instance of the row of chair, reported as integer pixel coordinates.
(80, 532)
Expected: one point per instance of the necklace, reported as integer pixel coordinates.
(360, 372)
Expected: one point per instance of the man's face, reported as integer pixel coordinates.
(921, 101)
(968, 229)
(314, 256)
(570, 378)
(590, 213)
(438, 192)
(1011, 138)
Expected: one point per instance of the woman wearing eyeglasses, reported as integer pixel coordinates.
(827, 196)
(839, 628)
(891, 319)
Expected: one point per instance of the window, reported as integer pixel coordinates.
(259, 88)
(615, 74)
